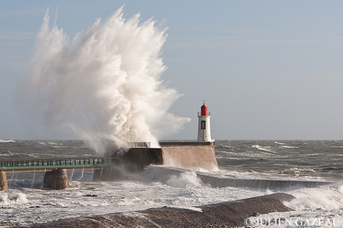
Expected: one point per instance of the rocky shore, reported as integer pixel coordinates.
(227, 214)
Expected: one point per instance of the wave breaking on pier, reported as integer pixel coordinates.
(104, 83)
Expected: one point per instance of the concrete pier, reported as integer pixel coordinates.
(3, 181)
(56, 179)
(193, 155)
(133, 161)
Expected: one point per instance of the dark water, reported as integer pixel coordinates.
(321, 160)
(27, 149)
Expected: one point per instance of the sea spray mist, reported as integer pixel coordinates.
(104, 83)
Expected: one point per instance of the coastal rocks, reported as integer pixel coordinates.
(3, 181)
(227, 214)
(56, 179)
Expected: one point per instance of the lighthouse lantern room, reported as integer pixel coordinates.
(204, 127)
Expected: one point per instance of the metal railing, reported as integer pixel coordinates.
(14, 164)
(139, 144)
(208, 114)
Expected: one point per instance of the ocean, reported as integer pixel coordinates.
(315, 161)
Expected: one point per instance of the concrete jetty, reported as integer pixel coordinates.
(227, 214)
(191, 155)
(178, 154)
(272, 184)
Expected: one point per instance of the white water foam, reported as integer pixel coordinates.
(14, 198)
(95, 198)
(185, 180)
(4, 199)
(7, 141)
(289, 147)
(312, 207)
(326, 197)
(267, 148)
(104, 83)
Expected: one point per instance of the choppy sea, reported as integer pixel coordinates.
(27, 202)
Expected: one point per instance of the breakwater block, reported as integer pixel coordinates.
(56, 179)
(133, 161)
(219, 182)
(227, 214)
(3, 181)
(192, 155)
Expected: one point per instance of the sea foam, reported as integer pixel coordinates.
(185, 179)
(325, 197)
(105, 83)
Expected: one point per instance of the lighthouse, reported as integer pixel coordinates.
(204, 127)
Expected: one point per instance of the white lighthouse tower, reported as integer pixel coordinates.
(204, 127)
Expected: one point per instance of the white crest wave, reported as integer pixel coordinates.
(104, 83)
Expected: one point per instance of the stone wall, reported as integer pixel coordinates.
(193, 155)
(133, 161)
(189, 155)
(139, 158)
(177, 154)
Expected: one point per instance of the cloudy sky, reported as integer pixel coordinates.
(267, 69)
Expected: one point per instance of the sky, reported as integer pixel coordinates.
(266, 69)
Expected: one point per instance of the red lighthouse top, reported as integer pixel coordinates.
(204, 110)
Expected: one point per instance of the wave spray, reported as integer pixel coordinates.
(104, 83)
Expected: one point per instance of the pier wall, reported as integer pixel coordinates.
(197, 155)
(193, 155)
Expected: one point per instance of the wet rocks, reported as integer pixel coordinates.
(227, 214)
(90, 195)
(56, 179)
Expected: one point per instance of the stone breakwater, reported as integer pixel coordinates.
(189, 155)
(192, 155)
(227, 214)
